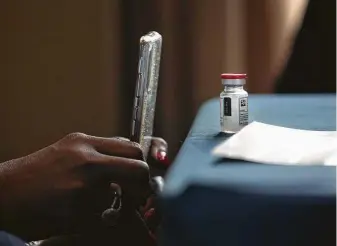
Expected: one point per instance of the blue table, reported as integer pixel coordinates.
(207, 201)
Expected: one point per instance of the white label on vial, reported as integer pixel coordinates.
(243, 111)
(233, 113)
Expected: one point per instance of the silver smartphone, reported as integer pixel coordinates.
(146, 90)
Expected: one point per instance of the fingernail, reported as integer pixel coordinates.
(149, 213)
(162, 157)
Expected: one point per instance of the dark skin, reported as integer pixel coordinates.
(64, 187)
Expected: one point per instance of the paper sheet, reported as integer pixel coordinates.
(263, 143)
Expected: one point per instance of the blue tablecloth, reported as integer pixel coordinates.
(207, 201)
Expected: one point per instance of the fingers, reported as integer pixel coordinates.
(117, 146)
(116, 189)
(120, 166)
(158, 148)
(117, 160)
(132, 176)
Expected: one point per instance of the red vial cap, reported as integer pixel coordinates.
(233, 76)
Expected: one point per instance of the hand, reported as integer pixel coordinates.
(66, 185)
(159, 150)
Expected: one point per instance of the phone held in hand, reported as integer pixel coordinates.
(146, 90)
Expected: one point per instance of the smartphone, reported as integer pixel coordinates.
(146, 90)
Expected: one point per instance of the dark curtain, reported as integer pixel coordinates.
(311, 67)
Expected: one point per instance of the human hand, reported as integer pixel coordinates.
(66, 185)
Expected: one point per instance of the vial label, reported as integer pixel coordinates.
(227, 102)
(233, 112)
(243, 111)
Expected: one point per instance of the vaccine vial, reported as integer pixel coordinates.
(233, 103)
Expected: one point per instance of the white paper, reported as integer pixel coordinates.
(263, 143)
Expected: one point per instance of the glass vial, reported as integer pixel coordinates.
(233, 103)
